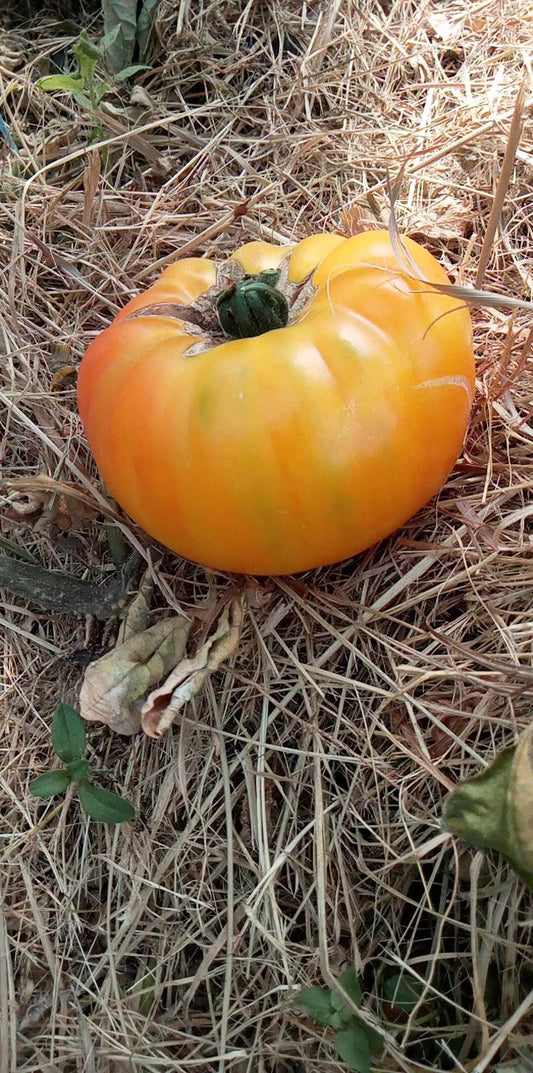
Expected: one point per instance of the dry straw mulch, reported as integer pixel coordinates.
(290, 825)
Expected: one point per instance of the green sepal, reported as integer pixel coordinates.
(253, 306)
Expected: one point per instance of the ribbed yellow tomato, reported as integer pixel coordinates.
(297, 447)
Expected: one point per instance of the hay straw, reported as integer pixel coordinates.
(369, 688)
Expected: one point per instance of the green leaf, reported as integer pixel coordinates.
(401, 992)
(87, 54)
(100, 91)
(65, 83)
(494, 810)
(144, 989)
(342, 1018)
(375, 1041)
(103, 805)
(77, 769)
(349, 981)
(145, 22)
(87, 48)
(68, 733)
(108, 40)
(354, 1048)
(121, 13)
(128, 72)
(317, 1004)
(83, 99)
(50, 784)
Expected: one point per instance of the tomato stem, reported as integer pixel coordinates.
(253, 306)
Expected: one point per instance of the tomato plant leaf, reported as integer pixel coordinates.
(103, 805)
(353, 1047)
(50, 784)
(317, 1004)
(68, 733)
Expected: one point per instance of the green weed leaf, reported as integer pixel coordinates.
(145, 21)
(50, 784)
(88, 55)
(317, 1004)
(87, 48)
(103, 805)
(108, 40)
(375, 1041)
(353, 1047)
(349, 981)
(68, 733)
(77, 769)
(60, 83)
(129, 72)
(121, 13)
(401, 992)
(83, 99)
(145, 986)
(342, 1018)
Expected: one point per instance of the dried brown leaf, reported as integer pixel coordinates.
(188, 677)
(136, 615)
(45, 501)
(115, 686)
(63, 378)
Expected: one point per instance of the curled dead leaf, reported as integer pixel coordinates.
(187, 679)
(494, 810)
(147, 678)
(42, 501)
(65, 377)
(115, 686)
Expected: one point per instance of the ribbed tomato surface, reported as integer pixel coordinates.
(295, 448)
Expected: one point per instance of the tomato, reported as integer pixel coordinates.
(296, 447)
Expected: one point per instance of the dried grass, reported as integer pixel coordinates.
(291, 824)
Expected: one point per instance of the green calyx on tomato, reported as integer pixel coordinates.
(253, 306)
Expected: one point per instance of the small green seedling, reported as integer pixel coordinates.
(69, 743)
(354, 1040)
(403, 994)
(87, 86)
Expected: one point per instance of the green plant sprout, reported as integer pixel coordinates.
(355, 1041)
(86, 85)
(69, 743)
